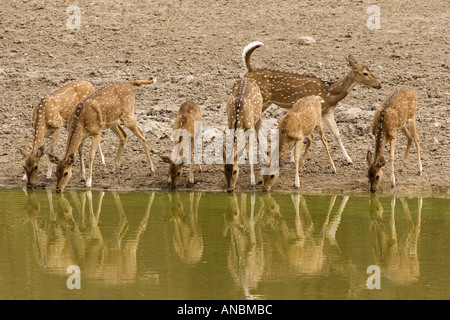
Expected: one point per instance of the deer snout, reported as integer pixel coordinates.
(230, 190)
(58, 190)
(378, 87)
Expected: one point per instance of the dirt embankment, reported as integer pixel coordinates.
(194, 50)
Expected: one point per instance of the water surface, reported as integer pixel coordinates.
(180, 245)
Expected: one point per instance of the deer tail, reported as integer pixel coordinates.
(142, 82)
(247, 52)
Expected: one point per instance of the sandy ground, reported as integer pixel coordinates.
(194, 48)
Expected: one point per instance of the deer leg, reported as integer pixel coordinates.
(297, 150)
(417, 142)
(251, 156)
(122, 135)
(55, 137)
(308, 144)
(191, 173)
(408, 135)
(131, 123)
(391, 159)
(325, 144)
(95, 144)
(331, 124)
(102, 156)
(82, 167)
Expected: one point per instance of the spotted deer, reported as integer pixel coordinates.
(49, 115)
(298, 124)
(244, 112)
(285, 88)
(188, 113)
(397, 112)
(100, 111)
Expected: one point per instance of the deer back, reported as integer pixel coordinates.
(303, 118)
(188, 113)
(244, 108)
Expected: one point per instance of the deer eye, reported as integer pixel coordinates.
(36, 167)
(272, 176)
(235, 171)
(178, 173)
(66, 173)
(377, 177)
(365, 74)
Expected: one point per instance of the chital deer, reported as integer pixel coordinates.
(50, 114)
(296, 125)
(285, 88)
(244, 112)
(100, 111)
(397, 112)
(188, 114)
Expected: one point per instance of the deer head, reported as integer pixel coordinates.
(374, 173)
(175, 171)
(362, 74)
(31, 164)
(231, 171)
(269, 179)
(63, 171)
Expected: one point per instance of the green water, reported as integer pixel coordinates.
(168, 245)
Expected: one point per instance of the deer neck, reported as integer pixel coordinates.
(76, 136)
(340, 89)
(39, 132)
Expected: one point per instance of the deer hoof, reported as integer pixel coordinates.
(419, 173)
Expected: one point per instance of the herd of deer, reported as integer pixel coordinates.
(87, 113)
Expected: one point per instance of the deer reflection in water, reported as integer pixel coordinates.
(398, 256)
(246, 253)
(62, 240)
(187, 239)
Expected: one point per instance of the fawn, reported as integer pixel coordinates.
(188, 114)
(296, 125)
(244, 112)
(50, 114)
(100, 111)
(285, 88)
(397, 112)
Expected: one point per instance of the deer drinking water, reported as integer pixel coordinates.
(285, 88)
(50, 114)
(100, 111)
(188, 114)
(244, 112)
(296, 125)
(397, 112)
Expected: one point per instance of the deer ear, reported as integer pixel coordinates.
(53, 159)
(166, 159)
(369, 157)
(40, 152)
(23, 152)
(71, 159)
(352, 62)
(381, 162)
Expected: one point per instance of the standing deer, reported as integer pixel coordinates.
(188, 114)
(244, 112)
(397, 112)
(296, 125)
(100, 111)
(50, 114)
(285, 88)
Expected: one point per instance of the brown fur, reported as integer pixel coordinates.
(284, 88)
(188, 113)
(397, 112)
(50, 114)
(296, 125)
(100, 111)
(244, 111)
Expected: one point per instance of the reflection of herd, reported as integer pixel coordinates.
(264, 243)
